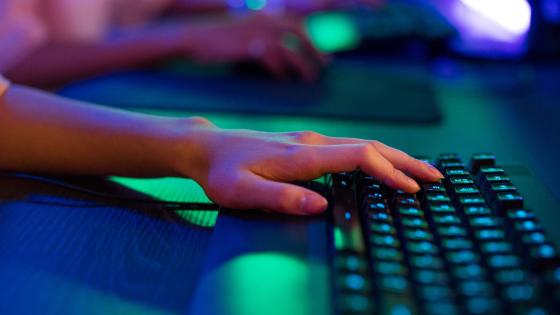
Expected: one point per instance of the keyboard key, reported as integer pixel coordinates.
(508, 201)
(503, 261)
(438, 198)
(410, 211)
(389, 254)
(468, 272)
(442, 208)
(483, 305)
(353, 282)
(384, 240)
(519, 292)
(490, 234)
(426, 262)
(463, 257)
(448, 219)
(461, 181)
(481, 159)
(418, 235)
(520, 214)
(475, 288)
(533, 238)
(503, 188)
(496, 248)
(510, 276)
(430, 277)
(491, 170)
(466, 190)
(422, 248)
(435, 292)
(350, 263)
(382, 228)
(452, 231)
(433, 188)
(389, 268)
(414, 223)
(456, 173)
(457, 244)
(477, 211)
(395, 284)
(355, 304)
(474, 200)
(452, 165)
(527, 226)
(381, 217)
(441, 308)
(484, 222)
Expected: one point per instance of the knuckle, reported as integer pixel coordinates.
(199, 121)
(307, 136)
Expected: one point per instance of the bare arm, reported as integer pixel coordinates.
(58, 62)
(237, 168)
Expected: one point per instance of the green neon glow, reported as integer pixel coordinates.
(174, 190)
(332, 32)
(338, 238)
(256, 5)
(254, 280)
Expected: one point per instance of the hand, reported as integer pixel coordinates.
(245, 169)
(260, 38)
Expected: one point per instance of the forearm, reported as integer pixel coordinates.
(43, 133)
(59, 62)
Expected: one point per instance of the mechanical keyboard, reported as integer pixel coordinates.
(464, 245)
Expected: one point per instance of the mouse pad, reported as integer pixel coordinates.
(348, 89)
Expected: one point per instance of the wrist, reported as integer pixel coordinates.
(189, 154)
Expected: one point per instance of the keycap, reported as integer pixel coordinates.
(382, 217)
(502, 188)
(491, 170)
(483, 305)
(496, 247)
(484, 222)
(426, 261)
(475, 288)
(477, 211)
(468, 272)
(519, 292)
(407, 200)
(527, 226)
(389, 268)
(447, 157)
(350, 263)
(410, 211)
(481, 159)
(456, 244)
(430, 277)
(456, 173)
(414, 223)
(438, 198)
(382, 228)
(391, 283)
(422, 247)
(474, 200)
(384, 240)
(435, 292)
(353, 282)
(462, 257)
(503, 261)
(452, 231)
(442, 208)
(384, 253)
(490, 234)
(509, 276)
(520, 214)
(461, 181)
(448, 219)
(533, 238)
(452, 165)
(418, 235)
(433, 188)
(508, 201)
(466, 190)
(441, 308)
(355, 304)
(377, 207)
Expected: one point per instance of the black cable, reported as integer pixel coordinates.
(169, 205)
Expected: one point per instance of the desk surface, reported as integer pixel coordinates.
(99, 259)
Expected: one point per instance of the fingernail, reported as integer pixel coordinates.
(311, 204)
(413, 183)
(434, 171)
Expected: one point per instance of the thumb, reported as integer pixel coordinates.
(286, 198)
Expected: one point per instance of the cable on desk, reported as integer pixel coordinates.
(168, 205)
